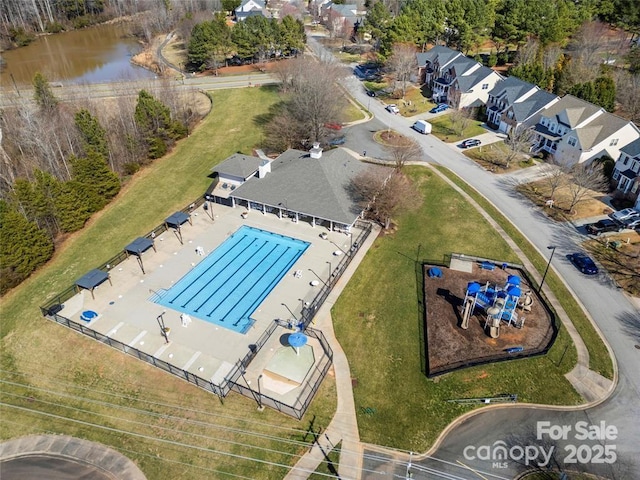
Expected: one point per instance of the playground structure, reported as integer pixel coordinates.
(499, 304)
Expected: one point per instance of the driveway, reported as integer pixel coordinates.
(616, 421)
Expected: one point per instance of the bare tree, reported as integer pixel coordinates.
(313, 100)
(528, 53)
(518, 141)
(553, 177)
(384, 194)
(404, 152)
(628, 93)
(551, 56)
(403, 64)
(460, 120)
(584, 179)
(590, 38)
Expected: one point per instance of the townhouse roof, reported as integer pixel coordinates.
(599, 129)
(571, 110)
(532, 105)
(513, 87)
(632, 149)
(431, 54)
(467, 82)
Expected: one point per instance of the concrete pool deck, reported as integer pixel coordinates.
(127, 312)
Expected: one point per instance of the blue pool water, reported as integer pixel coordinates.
(229, 284)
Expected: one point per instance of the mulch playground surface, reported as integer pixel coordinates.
(449, 346)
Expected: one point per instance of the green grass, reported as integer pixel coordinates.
(77, 372)
(599, 359)
(378, 324)
(442, 128)
(352, 113)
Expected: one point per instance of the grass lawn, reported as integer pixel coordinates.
(48, 368)
(352, 113)
(491, 157)
(539, 192)
(599, 359)
(377, 322)
(415, 102)
(443, 129)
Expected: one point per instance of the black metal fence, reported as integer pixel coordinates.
(541, 349)
(309, 311)
(51, 308)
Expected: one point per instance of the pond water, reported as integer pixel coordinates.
(92, 55)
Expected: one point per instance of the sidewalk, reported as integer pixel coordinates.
(344, 426)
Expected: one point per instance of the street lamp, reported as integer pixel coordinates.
(330, 271)
(285, 306)
(260, 406)
(553, 250)
(164, 330)
(253, 393)
(319, 277)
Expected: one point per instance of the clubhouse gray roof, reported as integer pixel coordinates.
(632, 149)
(532, 105)
(238, 165)
(315, 187)
(513, 87)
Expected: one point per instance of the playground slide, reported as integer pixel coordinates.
(466, 314)
(494, 328)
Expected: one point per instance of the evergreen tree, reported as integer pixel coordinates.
(154, 120)
(42, 93)
(93, 135)
(100, 183)
(605, 89)
(24, 247)
(74, 204)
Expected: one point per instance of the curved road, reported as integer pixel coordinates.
(603, 439)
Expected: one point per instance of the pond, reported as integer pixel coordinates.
(92, 55)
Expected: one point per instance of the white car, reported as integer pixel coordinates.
(624, 215)
(392, 108)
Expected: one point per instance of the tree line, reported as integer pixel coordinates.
(213, 43)
(61, 163)
(464, 24)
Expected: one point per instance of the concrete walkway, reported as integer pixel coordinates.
(344, 426)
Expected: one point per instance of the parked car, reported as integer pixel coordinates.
(371, 93)
(392, 108)
(337, 141)
(632, 223)
(422, 126)
(441, 107)
(471, 142)
(333, 126)
(603, 226)
(583, 262)
(625, 214)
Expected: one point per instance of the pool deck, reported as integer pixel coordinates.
(127, 312)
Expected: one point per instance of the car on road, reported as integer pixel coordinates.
(625, 214)
(335, 141)
(603, 226)
(441, 107)
(371, 93)
(392, 108)
(471, 142)
(583, 262)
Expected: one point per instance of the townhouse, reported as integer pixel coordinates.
(626, 173)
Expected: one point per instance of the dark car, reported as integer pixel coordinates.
(337, 141)
(371, 93)
(584, 263)
(472, 142)
(603, 226)
(439, 108)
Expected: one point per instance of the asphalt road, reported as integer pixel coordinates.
(614, 454)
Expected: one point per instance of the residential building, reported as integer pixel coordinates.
(431, 62)
(513, 103)
(250, 8)
(575, 131)
(471, 89)
(626, 173)
(340, 18)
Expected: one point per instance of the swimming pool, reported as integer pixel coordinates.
(229, 284)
